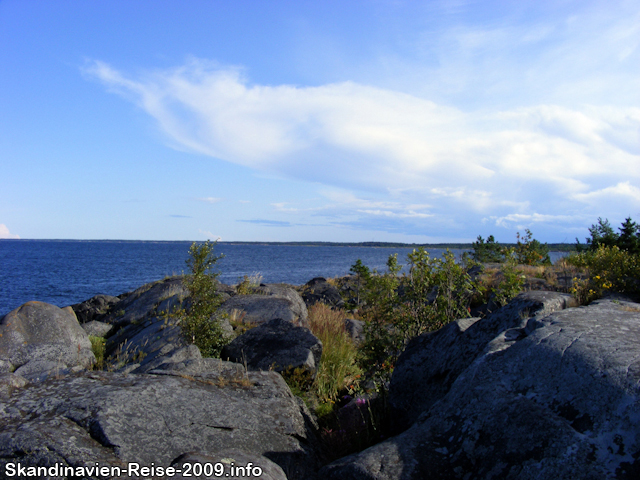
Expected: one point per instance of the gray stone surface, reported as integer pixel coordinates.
(37, 339)
(431, 362)
(227, 460)
(273, 301)
(555, 396)
(112, 418)
(146, 301)
(319, 290)
(9, 382)
(276, 345)
(355, 328)
(97, 328)
(94, 308)
(148, 344)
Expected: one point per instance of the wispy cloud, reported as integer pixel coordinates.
(210, 199)
(4, 232)
(268, 223)
(210, 236)
(376, 138)
(180, 216)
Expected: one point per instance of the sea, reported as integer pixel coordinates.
(65, 272)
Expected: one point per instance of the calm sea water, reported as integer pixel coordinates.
(63, 272)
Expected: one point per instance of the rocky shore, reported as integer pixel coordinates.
(538, 389)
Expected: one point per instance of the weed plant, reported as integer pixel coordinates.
(249, 284)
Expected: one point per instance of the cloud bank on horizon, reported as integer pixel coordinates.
(419, 123)
(5, 233)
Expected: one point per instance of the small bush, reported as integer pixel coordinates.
(512, 280)
(98, 348)
(198, 321)
(435, 292)
(609, 269)
(530, 251)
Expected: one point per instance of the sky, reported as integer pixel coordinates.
(344, 121)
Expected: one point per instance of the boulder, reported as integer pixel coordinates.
(273, 301)
(96, 328)
(355, 329)
(319, 290)
(432, 362)
(554, 395)
(9, 382)
(94, 308)
(115, 419)
(147, 301)
(148, 344)
(38, 339)
(276, 345)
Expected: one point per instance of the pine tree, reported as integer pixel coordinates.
(629, 238)
(601, 234)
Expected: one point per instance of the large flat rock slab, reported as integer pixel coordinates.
(432, 362)
(114, 419)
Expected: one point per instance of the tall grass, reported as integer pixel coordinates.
(98, 348)
(338, 370)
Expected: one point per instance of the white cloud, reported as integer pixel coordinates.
(210, 199)
(376, 138)
(527, 219)
(621, 192)
(4, 232)
(210, 236)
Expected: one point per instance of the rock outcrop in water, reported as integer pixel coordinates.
(534, 390)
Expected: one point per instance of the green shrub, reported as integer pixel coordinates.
(530, 251)
(98, 348)
(198, 323)
(383, 341)
(363, 277)
(433, 293)
(511, 282)
(609, 269)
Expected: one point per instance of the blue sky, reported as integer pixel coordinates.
(373, 120)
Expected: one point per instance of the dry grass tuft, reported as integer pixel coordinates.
(338, 369)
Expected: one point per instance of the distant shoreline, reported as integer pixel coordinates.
(554, 247)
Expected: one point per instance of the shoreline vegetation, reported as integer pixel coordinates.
(553, 247)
